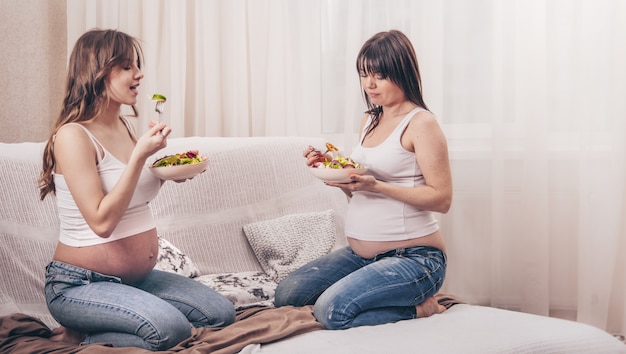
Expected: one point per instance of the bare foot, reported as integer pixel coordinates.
(429, 307)
(62, 334)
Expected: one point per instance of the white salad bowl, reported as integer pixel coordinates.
(179, 172)
(337, 175)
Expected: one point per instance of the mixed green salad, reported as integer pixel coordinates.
(185, 158)
(338, 161)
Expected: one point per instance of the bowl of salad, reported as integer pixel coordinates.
(337, 170)
(179, 167)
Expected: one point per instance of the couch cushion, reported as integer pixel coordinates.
(28, 231)
(244, 290)
(173, 260)
(284, 244)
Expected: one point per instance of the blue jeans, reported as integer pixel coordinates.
(155, 314)
(350, 291)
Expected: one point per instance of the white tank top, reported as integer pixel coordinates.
(375, 217)
(74, 230)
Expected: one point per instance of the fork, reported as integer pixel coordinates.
(159, 108)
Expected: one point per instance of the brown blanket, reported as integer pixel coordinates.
(20, 333)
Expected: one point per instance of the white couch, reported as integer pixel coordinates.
(250, 180)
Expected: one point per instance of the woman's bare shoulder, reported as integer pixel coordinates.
(424, 121)
(70, 132)
(424, 117)
(72, 140)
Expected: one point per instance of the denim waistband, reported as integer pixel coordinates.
(399, 252)
(85, 274)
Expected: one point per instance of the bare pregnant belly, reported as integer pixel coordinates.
(130, 258)
(369, 249)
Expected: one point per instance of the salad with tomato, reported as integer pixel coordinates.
(186, 158)
(338, 161)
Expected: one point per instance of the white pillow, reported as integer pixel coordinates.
(284, 244)
(173, 260)
(243, 289)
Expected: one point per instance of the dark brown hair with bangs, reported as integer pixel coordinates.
(95, 55)
(391, 55)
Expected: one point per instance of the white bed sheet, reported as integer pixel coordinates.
(461, 329)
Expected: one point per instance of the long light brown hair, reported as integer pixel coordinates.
(390, 55)
(95, 55)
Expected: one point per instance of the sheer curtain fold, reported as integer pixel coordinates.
(529, 93)
(530, 89)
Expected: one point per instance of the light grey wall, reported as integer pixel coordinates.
(33, 51)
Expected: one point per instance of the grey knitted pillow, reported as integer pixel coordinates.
(284, 244)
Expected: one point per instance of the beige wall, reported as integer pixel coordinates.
(32, 70)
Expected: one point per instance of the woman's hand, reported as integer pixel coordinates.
(358, 183)
(312, 156)
(153, 140)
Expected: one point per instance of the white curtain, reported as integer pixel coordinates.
(530, 94)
